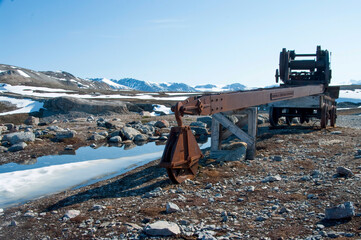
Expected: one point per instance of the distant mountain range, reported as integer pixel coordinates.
(60, 79)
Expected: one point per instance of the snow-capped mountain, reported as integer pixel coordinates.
(145, 86)
(110, 83)
(220, 88)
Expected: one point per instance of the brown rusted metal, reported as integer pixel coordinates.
(181, 154)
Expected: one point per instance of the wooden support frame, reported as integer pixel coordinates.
(249, 137)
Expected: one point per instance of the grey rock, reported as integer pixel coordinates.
(198, 124)
(250, 189)
(336, 132)
(3, 149)
(114, 124)
(128, 133)
(345, 210)
(9, 126)
(172, 207)
(71, 213)
(115, 139)
(141, 138)
(55, 128)
(30, 213)
(272, 178)
(61, 135)
(67, 104)
(200, 130)
(344, 172)
(97, 137)
(277, 158)
(206, 235)
(145, 113)
(162, 228)
(98, 207)
(115, 133)
(206, 120)
(18, 137)
(103, 133)
(162, 124)
(13, 223)
(17, 147)
(332, 234)
(32, 121)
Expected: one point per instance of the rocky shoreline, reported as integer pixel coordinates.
(289, 191)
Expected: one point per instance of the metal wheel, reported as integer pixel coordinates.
(273, 116)
(179, 175)
(333, 116)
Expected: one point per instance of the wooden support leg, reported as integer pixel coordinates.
(249, 138)
(252, 131)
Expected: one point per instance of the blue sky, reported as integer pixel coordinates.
(195, 42)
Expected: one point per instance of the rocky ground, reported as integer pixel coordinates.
(287, 192)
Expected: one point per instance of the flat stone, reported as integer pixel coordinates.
(141, 138)
(162, 228)
(17, 147)
(172, 207)
(65, 135)
(344, 172)
(345, 210)
(18, 137)
(272, 178)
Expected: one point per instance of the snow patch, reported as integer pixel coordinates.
(353, 94)
(161, 108)
(23, 73)
(23, 105)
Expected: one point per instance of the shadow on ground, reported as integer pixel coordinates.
(128, 185)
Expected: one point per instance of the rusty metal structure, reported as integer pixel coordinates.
(301, 79)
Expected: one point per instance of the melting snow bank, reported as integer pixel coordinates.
(161, 108)
(350, 96)
(23, 105)
(20, 186)
(28, 182)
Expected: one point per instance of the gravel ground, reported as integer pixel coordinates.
(282, 194)
(351, 121)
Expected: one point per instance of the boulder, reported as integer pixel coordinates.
(206, 120)
(141, 138)
(61, 135)
(129, 133)
(32, 121)
(97, 137)
(17, 147)
(344, 172)
(114, 124)
(345, 210)
(18, 137)
(68, 104)
(115, 139)
(147, 129)
(145, 114)
(162, 124)
(198, 124)
(9, 126)
(162, 228)
(200, 130)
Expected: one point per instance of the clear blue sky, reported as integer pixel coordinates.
(195, 41)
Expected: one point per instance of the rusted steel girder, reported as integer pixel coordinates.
(215, 103)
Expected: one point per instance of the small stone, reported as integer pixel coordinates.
(97, 137)
(162, 228)
(261, 218)
(162, 124)
(250, 189)
(71, 213)
(344, 172)
(240, 199)
(284, 210)
(320, 226)
(277, 158)
(208, 186)
(332, 234)
(98, 207)
(272, 178)
(172, 207)
(30, 213)
(61, 135)
(13, 223)
(336, 132)
(345, 210)
(93, 145)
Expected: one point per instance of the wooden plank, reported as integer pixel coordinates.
(233, 128)
(215, 143)
(252, 131)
